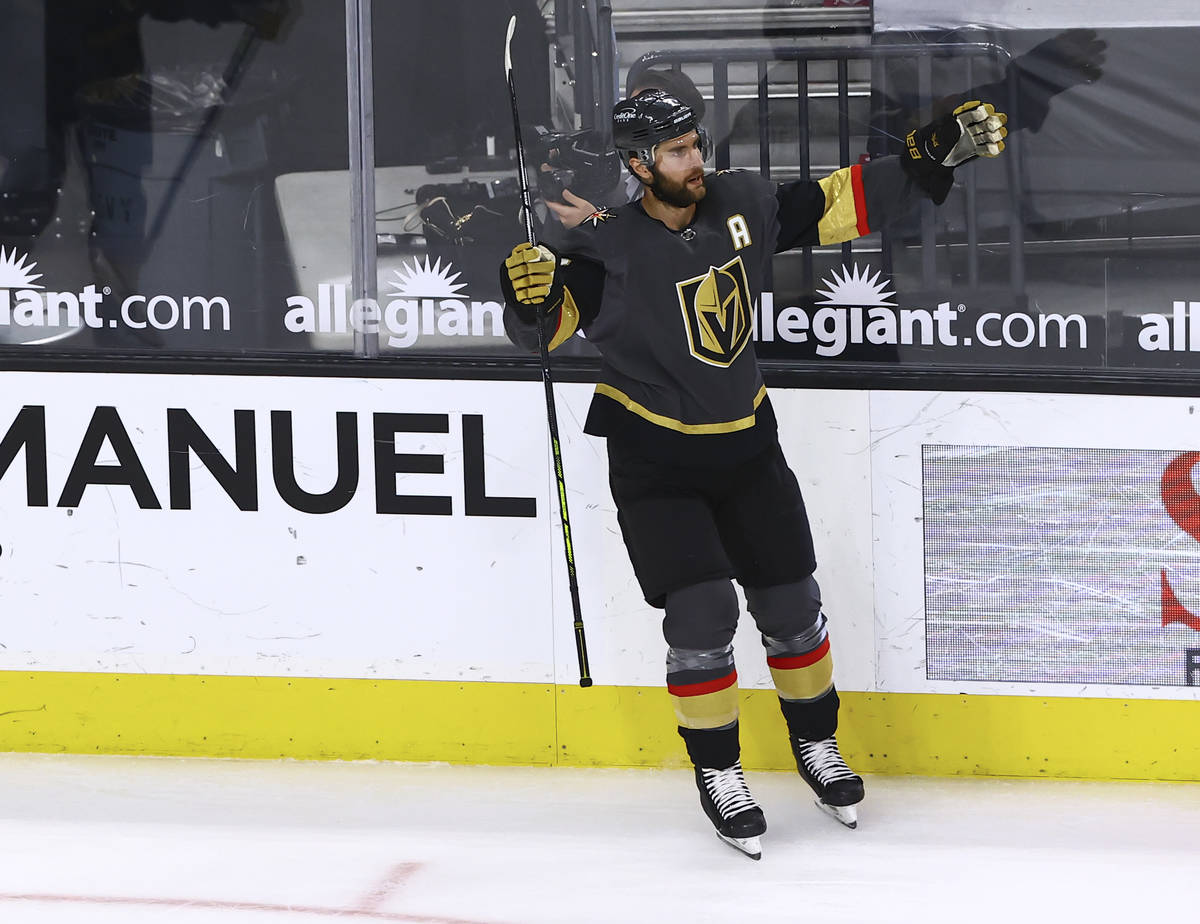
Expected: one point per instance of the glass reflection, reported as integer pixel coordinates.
(138, 207)
(174, 174)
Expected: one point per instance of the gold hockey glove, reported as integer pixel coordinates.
(531, 273)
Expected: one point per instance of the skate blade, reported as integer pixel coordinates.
(846, 814)
(750, 846)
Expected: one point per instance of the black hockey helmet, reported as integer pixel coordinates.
(651, 117)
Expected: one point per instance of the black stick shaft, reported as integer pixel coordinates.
(585, 676)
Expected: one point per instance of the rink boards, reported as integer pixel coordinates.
(348, 568)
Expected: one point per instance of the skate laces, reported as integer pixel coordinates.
(824, 760)
(728, 790)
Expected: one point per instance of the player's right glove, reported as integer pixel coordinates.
(531, 274)
(972, 130)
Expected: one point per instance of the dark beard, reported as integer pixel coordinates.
(676, 194)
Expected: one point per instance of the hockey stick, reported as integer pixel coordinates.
(585, 677)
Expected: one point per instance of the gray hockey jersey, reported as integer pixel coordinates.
(672, 312)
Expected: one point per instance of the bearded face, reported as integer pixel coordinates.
(677, 177)
(679, 192)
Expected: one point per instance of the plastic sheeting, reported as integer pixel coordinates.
(1020, 14)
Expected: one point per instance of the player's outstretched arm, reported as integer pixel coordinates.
(856, 200)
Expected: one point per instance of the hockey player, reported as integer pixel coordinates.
(664, 288)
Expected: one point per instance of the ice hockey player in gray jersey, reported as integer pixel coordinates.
(664, 288)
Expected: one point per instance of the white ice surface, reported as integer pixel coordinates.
(133, 840)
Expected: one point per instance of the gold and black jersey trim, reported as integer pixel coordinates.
(728, 426)
(568, 319)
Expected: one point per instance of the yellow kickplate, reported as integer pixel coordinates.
(539, 724)
(269, 717)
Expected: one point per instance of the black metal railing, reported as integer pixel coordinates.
(584, 34)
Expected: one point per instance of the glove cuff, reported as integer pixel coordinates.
(932, 178)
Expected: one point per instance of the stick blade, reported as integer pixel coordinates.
(512, 27)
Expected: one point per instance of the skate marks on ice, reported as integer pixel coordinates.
(232, 842)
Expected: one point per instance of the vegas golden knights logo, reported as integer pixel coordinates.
(716, 312)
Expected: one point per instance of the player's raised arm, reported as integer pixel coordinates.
(856, 200)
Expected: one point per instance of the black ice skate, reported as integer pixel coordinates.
(728, 804)
(837, 787)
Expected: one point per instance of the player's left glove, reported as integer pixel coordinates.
(972, 130)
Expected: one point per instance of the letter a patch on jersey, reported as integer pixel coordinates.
(739, 231)
(716, 312)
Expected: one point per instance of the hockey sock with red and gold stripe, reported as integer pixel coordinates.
(802, 668)
(703, 687)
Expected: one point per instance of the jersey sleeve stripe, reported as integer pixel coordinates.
(840, 222)
(860, 200)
